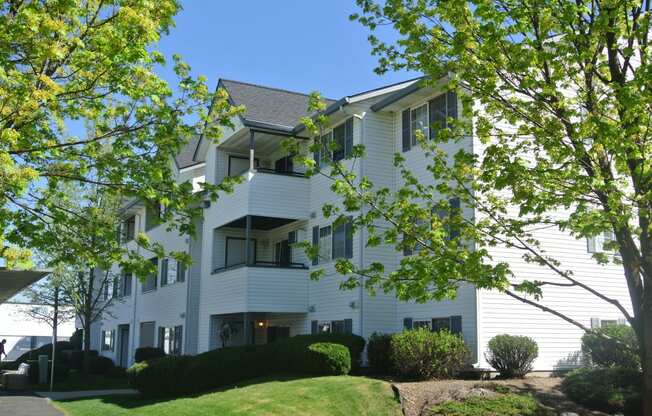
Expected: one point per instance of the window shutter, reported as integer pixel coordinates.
(451, 104)
(178, 337)
(348, 242)
(164, 272)
(407, 323)
(348, 138)
(405, 129)
(315, 243)
(112, 339)
(161, 337)
(181, 272)
(595, 323)
(348, 326)
(316, 154)
(456, 324)
(314, 327)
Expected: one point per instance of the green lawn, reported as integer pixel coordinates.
(319, 396)
(77, 381)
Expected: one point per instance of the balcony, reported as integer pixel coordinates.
(259, 288)
(265, 193)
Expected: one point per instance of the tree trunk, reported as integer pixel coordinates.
(646, 352)
(55, 322)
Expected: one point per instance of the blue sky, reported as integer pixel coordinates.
(300, 45)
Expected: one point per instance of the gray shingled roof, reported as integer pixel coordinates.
(268, 105)
(185, 157)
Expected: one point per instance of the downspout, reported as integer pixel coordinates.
(361, 245)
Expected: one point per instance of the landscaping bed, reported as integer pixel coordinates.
(422, 398)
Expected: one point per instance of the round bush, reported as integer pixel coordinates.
(147, 353)
(512, 356)
(379, 352)
(612, 346)
(424, 355)
(100, 365)
(77, 338)
(328, 359)
(160, 377)
(609, 390)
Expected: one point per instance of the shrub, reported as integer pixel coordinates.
(328, 359)
(354, 343)
(75, 358)
(424, 355)
(512, 356)
(99, 365)
(172, 376)
(60, 371)
(621, 350)
(147, 353)
(159, 377)
(76, 339)
(379, 352)
(606, 389)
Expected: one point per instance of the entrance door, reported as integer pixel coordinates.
(123, 339)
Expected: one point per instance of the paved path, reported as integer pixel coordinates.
(25, 404)
(66, 395)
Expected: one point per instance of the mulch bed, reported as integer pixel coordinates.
(416, 397)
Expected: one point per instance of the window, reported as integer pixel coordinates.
(418, 122)
(343, 240)
(596, 244)
(150, 281)
(125, 284)
(169, 339)
(417, 247)
(153, 216)
(172, 271)
(439, 324)
(452, 230)
(325, 243)
(147, 334)
(108, 338)
(129, 229)
(421, 324)
(343, 138)
(428, 118)
(342, 326)
(235, 251)
(282, 253)
(322, 155)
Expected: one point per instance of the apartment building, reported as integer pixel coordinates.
(250, 284)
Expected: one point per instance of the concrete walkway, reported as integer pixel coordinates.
(25, 404)
(67, 395)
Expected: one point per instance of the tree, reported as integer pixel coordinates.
(92, 62)
(559, 95)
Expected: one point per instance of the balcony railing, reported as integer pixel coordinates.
(273, 264)
(280, 172)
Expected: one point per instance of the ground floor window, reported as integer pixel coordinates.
(147, 334)
(169, 339)
(343, 326)
(108, 340)
(449, 323)
(440, 324)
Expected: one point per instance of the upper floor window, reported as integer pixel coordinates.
(172, 271)
(597, 243)
(128, 229)
(125, 284)
(427, 118)
(325, 243)
(153, 216)
(150, 281)
(342, 137)
(343, 241)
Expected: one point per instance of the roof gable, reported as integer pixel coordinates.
(186, 156)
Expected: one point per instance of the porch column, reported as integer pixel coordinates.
(248, 247)
(252, 166)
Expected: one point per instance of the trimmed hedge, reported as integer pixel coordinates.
(60, 371)
(610, 390)
(512, 356)
(424, 355)
(100, 365)
(148, 353)
(44, 350)
(75, 358)
(379, 350)
(621, 350)
(176, 375)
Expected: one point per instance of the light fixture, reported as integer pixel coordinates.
(261, 324)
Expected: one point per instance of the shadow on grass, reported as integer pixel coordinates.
(134, 402)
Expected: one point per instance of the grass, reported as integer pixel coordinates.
(78, 381)
(318, 396)
(505, 405)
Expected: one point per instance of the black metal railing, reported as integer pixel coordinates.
(281, 172)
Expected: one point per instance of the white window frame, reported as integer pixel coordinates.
(425, 128)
